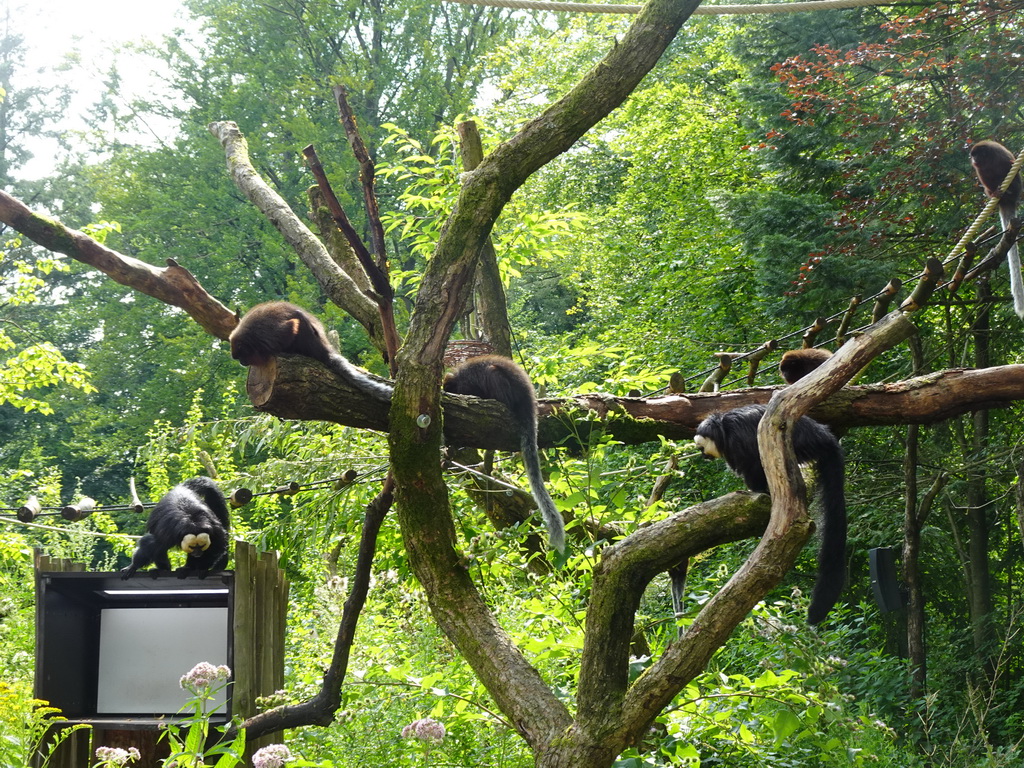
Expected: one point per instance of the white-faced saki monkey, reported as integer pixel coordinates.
(192, 516)
(732, 436)
(498, 378)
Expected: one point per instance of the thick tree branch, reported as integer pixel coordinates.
(298, 388)
(623, 572)
(172, 284)
(320, 709)
(785, 536)
(415, 438)
(338, 285)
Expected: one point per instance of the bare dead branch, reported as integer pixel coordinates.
(383, 295)
(172, 284)
(366, 176)
(341, 219)
(338, 286)
(334, 239)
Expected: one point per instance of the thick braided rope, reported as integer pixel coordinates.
(703, 10)
(988, 209)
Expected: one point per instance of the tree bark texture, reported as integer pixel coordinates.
(416, 432)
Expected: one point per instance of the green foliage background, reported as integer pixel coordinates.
(769, 169)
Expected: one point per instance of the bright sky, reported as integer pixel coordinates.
(95, 28)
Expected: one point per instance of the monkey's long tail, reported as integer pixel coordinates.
(531, 460)
(341, 366)
(832, 551)
(1013, 261)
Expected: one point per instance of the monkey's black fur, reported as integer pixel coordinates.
(278, 327)
(179, 519)
(797, 363)
(992, 161)
(498, 378)
(732, 435)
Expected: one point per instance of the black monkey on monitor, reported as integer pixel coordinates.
(193, 516)
(732, 435)
(498, 378)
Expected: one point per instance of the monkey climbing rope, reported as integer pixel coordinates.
(703, 10)
(988, 209)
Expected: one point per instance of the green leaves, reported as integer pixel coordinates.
(41, 365)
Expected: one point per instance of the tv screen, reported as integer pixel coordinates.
(144, 652)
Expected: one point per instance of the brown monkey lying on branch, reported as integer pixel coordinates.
(278, 327)
(498, 378)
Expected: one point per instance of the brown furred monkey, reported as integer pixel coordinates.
(797, 363)
(498, 378)
(992, 161)
(279, 327)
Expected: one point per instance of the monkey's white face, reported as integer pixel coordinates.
(707, 447)
(193, 544)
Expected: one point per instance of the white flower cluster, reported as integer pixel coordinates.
(202, 675)
(271, 756)
(427, 729)
(116, 756)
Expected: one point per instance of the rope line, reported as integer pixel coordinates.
(709, 10)
(65, 529)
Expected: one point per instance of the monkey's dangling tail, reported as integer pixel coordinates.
(531, 460)
(1013, 262)
(832, 549)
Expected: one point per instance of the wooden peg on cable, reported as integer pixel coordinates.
(75, 512)
(29, 510)
(933, 272)
(812, 333)
(970, 251)
(884, 299)
(240, 497)
(847, 321)
(755, 358)
(712, 382)
(347, 478)
(136, 502)
(288, 490)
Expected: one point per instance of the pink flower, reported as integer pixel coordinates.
(271, 756)
(426, 729)
(202, 675)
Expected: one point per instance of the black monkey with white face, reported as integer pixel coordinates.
(279, 327)
(498, 378)
(992, 161)
(193, 516)
(732, 435)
